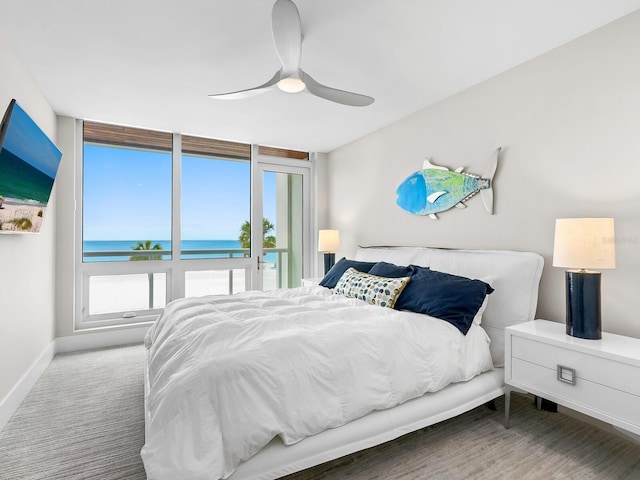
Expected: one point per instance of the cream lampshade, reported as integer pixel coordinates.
(328, 242)
(581, 245)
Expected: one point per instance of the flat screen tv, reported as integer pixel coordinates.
(29, 162)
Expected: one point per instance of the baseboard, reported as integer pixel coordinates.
(72, 343)
(14, 398)
(101, 339)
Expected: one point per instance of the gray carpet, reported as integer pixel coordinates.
(84, 420)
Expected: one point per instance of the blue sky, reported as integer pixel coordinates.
(26, 141)
(127, 196)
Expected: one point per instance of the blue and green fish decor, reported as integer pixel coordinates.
(435, 189)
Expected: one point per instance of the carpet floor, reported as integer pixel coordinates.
(84, 420)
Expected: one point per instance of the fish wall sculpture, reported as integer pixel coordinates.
(435, 189)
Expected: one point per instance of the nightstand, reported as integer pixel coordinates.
(600, 378)
(310, 282)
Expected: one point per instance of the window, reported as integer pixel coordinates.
(126, 194)
(215, 198)
(162, 216)
(215, 204)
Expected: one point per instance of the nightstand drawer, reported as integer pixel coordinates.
(593, 397)
(598, 370)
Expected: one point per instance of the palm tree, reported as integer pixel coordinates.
(268, 241)
(146, 245)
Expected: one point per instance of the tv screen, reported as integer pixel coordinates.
(28, 164)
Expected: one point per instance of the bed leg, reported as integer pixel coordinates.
(491, 405)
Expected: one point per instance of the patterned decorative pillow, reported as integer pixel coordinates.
(381, 291)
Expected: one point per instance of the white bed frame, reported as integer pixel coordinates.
(515, 277)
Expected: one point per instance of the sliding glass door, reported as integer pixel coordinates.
(280, 222)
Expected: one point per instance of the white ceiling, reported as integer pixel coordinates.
(152, 63)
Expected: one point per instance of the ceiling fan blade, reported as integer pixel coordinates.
(250, 92)
(287, 35)
(333, 94)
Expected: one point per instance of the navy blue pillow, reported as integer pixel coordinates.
(330, 280)
(448, 297)
(389, 270)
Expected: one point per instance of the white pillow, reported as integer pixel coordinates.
(478, 318)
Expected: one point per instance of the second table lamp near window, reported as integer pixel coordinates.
(328, 242)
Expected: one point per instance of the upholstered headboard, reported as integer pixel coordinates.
(515, 276)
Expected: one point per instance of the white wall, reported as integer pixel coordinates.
(65, 235)
(569, 125)
(26, 260)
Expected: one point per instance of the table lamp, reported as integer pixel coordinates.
(581, 245)
(328, 242)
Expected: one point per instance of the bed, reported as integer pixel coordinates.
(243, 439)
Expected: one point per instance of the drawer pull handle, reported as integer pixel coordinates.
(567, 375)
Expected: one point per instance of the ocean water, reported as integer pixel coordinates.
(127, 246)
(20, 182)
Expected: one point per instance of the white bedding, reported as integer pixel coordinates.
(228, 373)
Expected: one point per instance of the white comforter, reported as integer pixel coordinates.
(228, 373)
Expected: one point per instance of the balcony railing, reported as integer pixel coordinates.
(166, 254)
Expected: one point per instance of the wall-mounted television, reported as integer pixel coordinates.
(29, 162)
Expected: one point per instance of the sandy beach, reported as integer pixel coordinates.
(18, 217)
(120, 293)
(114, 293)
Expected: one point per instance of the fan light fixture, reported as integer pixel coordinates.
(291, 85)
(287, 38)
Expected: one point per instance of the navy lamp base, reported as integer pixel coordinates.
(329, 261)
(583, 304)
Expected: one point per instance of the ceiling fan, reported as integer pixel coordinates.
(287, 37)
